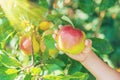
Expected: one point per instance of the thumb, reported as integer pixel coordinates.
(88, 45)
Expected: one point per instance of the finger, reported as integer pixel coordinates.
(56, 31)
(60, 26)
(88, 43)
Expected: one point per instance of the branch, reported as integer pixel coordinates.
(101, 17)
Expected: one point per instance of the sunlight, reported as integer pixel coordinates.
(18, 11)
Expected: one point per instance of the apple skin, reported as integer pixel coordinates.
(25, 45)
(45, 25)
(70, 40)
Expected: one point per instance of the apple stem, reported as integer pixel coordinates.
(101, 17)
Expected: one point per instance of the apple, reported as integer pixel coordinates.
(70, 40)
(45, 25)
(26, 44)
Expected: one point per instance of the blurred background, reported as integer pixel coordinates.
(99, 19)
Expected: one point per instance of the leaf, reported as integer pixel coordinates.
(105, 4)
(49, 41)
(87, 6)
(11, 71)
(57, 62)
(53, 17)
(4, 76)
(115, 57)
(45, 55)
(79, 76)
(5, 30)
(65, 18)
(35, 71)
(102, 46)
(49, 77)
(74, 67)
(64, 58)
(9, 61)
(78, 22)
(28, 77)
(54, 69)
(43, 3)
(75, 76)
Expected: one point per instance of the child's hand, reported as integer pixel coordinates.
(92, 62)
(81, 56)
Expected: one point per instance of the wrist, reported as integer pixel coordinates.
(84, 56)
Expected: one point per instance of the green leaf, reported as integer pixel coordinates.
(105, 4)
(65, 18)
(9, 61)
(5, 29)
(79, 76)
(75, 76)
(74, 67)
(49, 77)
(49, 41)
(57, 62)
(53, 17)
(52, 68)
(43, 3)
(4, 76)
(11, 71)
(102, 46)
(45, 55)
(87, 6)
(64, 58)
(28, 77)
(115, 57)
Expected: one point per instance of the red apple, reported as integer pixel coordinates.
(70, 40)
(25, 45)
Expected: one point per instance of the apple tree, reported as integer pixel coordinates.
(27, 46)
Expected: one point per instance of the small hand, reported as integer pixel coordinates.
(81, 56)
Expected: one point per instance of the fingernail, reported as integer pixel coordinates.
(88, 41)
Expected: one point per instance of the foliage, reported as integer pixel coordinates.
(99, 19)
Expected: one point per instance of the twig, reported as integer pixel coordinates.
(101, 17)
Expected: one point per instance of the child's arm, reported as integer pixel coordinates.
(94, 64)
